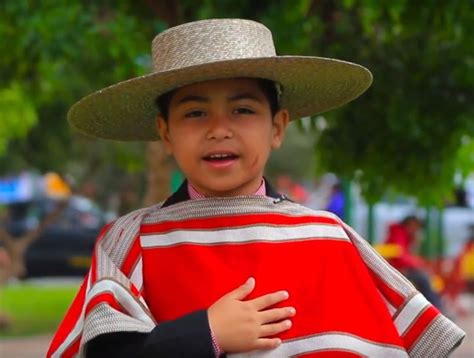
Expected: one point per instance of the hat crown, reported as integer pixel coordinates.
(209, 41)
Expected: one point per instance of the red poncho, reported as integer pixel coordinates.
(158, 264)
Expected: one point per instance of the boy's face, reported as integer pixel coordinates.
(221, 134)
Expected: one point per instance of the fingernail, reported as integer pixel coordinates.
(288, 323)
(249, 281)
(277, 342)
(292, 310)
(285, 294)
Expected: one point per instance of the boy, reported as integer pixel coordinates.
(168, 281)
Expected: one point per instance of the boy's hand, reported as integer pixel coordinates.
(242, 326)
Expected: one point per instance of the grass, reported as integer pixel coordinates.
(33, 308)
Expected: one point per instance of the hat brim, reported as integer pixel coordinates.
(126, 111)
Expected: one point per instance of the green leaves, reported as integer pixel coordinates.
(405, 133)
(57, 52)
(17, 115)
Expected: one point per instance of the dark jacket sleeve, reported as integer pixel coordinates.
(188, 336)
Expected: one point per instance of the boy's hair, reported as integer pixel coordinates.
(268, 88)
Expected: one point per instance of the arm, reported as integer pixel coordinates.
(109, 317)
(188, 336)
(110, 299)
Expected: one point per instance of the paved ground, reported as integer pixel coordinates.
(34, 347)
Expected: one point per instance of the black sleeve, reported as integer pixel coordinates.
(188, 336)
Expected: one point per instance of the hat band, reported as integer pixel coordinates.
(209, 41)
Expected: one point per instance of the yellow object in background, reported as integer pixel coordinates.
(467, 265)
(388, 251)
(437, 283)
(56, 187)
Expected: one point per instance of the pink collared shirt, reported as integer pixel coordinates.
(194, 194)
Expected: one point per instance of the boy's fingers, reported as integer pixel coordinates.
(275, 328)
(242, 291)
(276, 314)
(267, 343)
(268, 300)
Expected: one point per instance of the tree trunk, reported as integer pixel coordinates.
(159, 168)
(14, 264)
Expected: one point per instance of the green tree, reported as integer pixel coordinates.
(54, 53)
(408, 130)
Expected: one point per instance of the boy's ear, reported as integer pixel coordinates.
(164, 133)
(280, 123)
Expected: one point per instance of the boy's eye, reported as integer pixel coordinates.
(243, 111)
(195, 114)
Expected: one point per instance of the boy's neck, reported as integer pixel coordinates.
(195, 194)
(182, 194)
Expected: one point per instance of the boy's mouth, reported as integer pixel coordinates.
(220, 160)
(220, 157)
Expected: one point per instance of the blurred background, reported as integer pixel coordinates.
(405, 149)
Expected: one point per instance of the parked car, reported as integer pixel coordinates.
(64, 247)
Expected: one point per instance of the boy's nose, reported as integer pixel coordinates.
(219, 128)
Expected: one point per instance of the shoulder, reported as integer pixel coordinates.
(135, 215)
(291, 207)
(126, 225)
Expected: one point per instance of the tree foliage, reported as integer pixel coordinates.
(409, 133)
(57, 52)
(18, 115)
(406, 132)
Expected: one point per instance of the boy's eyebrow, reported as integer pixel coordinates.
(236, 97)
(193, 98)
(245, 95)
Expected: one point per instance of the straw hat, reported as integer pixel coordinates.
(213, 49)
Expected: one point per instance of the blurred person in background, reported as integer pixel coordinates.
(466, 261)
(335, 203)
(461, 276)
(406, 234)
